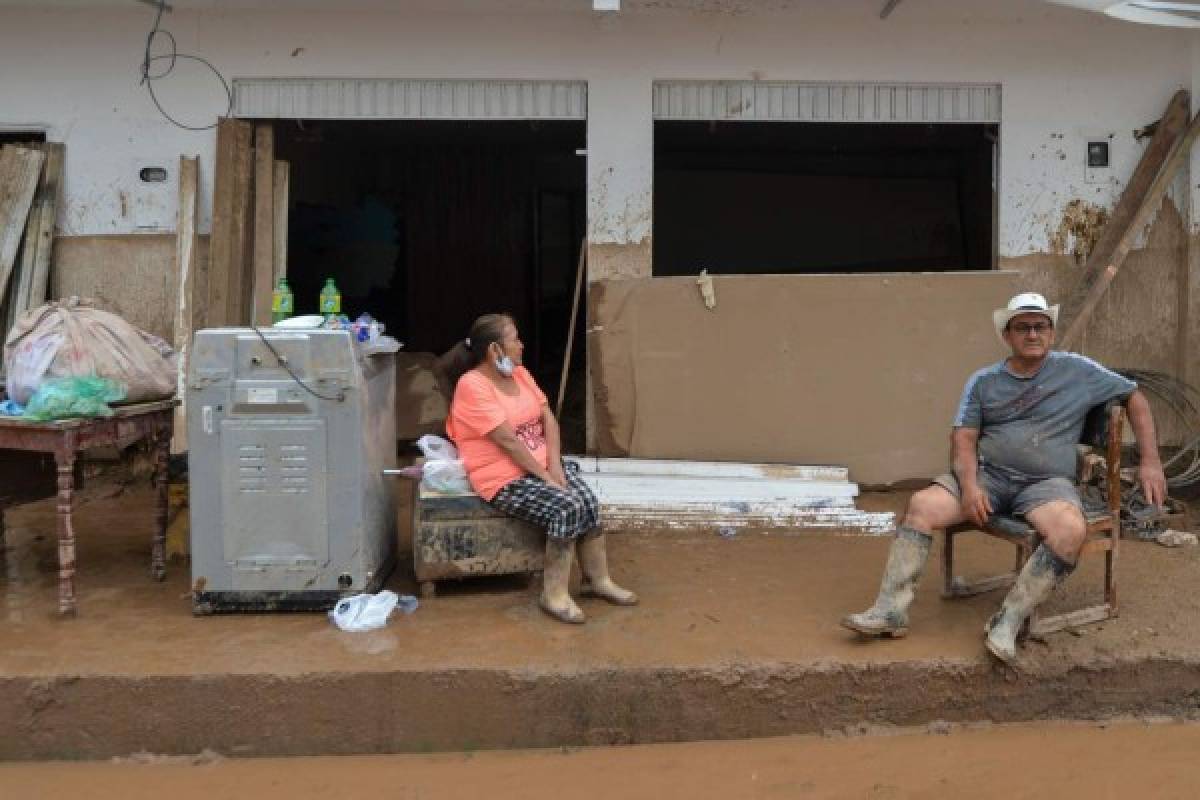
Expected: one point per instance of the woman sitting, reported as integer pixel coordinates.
(509, 443)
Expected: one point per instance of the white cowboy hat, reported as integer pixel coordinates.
(1025, 303)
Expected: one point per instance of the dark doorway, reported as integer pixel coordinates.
(779, 197)
(428, 224)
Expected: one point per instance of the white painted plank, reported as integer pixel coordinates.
(632, 519)
(185, 271)
(664, 490)
(709, 469)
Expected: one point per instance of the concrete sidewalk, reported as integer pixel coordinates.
(734, 638)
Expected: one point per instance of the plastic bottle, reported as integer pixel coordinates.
(331, 299)
(283, 303)
(362, 327)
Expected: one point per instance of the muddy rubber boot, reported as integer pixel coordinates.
(1044, 571)
(593, 559)
(906, 562)
(556, 576)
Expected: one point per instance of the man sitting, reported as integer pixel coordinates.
(1013, 448)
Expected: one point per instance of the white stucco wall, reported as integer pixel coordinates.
(72, 69)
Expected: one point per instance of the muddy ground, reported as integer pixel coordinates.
(988, 763)
(734, 638)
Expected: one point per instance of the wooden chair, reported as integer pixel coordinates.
(1102, 429)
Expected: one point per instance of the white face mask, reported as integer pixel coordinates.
(505, 366)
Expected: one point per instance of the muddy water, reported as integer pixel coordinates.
(1057, 761)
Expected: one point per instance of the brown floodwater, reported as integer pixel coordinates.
(1060, 761)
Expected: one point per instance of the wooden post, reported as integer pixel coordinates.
(579, 275)
(20, 170)
(232, 186)
(185, 271)
(264, 222)
(280, 220)
(1147, 205)
(241, 302)
(1183, 298)
(220, 246)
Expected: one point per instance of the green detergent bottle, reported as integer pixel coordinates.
(283, 303)
(331, 299)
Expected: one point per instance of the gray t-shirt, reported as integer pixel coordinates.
(1030, 425)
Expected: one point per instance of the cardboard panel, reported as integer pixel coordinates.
(421, 406)
(859, 370)
(133, 275)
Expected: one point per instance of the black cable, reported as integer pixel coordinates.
(174, 56)
(341, 395)
(1182, 399)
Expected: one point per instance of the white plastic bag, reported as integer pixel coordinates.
(364, 612)
(436, 448)
(446, 476)
(444, 471)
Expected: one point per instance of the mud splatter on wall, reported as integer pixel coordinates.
(1078, 230)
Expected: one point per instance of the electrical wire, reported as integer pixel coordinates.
(1183, 400)
(173, 56)
(339, 398)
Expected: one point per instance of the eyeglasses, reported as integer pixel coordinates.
(1023, 328)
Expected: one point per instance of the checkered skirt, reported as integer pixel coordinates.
(563, 514)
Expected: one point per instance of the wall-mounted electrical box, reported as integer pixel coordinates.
(1098, 158)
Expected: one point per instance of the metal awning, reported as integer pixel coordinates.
(395, 98)
(779, 101)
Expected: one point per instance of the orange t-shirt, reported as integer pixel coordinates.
(478, 409)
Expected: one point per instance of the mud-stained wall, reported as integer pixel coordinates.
(1137, 323)
(619, 261)
(1066, 77)
(131, 275)
(620, 177)
(859, 370)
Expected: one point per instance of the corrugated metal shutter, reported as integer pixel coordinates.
(763, 101)
(385, 98)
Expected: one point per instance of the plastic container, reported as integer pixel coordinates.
(283, 302)
(331, 299)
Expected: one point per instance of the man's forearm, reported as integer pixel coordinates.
(1142, 422)
(965, 455)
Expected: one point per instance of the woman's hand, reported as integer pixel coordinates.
(557, 476)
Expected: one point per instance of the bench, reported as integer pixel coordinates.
(458, 536)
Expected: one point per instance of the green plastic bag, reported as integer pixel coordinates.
(64, 398)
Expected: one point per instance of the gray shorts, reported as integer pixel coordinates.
(1015, 496)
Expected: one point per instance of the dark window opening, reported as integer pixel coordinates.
(21, 137)
(428, 224)
(779, 197)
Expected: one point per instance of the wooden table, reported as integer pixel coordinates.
(65, 439)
